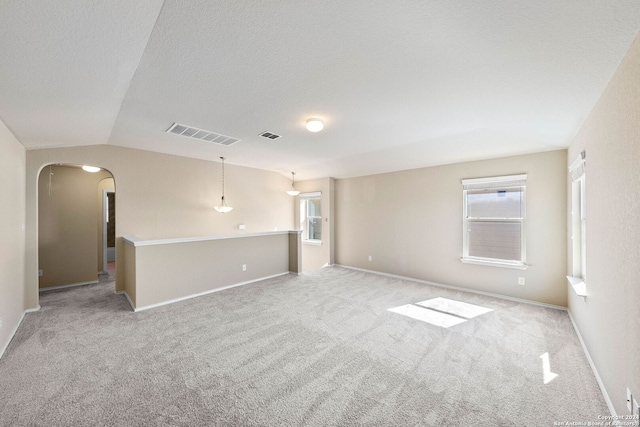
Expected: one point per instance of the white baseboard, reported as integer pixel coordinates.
(147, 307)
(456, 288)
(126, 295)
(72, 285)
(15, 329)
(607, 399)
(575, 327)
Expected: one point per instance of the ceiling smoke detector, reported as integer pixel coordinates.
(202, 135)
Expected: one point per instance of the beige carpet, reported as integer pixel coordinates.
(317, 349)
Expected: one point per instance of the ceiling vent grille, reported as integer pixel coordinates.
(203, 135)
(270, 135)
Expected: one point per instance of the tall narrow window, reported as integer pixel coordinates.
(311, 217)
(493, 221)
(578, 218)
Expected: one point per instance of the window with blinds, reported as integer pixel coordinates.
(493, 220)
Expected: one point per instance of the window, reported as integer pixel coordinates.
(311, 217)
(578, 226)
(493, 221)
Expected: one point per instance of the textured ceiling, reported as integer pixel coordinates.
(399, 84)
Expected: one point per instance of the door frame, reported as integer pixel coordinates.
(105, 216)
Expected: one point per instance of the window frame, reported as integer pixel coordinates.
(505, 182)
(578, 225)
(304, 217)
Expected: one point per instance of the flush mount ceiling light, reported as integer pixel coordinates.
(314, 125)
(92, 169)
(293, 191)
(222, 207)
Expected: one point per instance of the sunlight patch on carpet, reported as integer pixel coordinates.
(547, 375)
(441, 312)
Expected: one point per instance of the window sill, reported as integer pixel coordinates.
(578, 285)
(494, 263)
(312, 242)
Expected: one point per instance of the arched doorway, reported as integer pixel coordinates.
(71, 218)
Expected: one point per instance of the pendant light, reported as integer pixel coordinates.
(293, 191)
(222, 207)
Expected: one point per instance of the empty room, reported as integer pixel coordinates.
(319, 213)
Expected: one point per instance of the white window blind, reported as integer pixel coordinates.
(493, 222)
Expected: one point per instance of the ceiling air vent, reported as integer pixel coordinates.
(270, 135)
(203, 135)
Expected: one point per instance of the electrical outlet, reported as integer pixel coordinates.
(241, 227)
(370, 258)
(521, 281)
(244, 267)
(40, 273)
(629, 399)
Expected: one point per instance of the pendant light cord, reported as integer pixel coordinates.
(222, 207)
(222, 179)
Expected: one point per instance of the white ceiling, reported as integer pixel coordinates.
(400, 84)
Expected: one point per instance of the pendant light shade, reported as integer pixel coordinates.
(222, 207)
(293, 191)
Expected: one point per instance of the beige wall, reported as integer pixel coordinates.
(12, 242)
(164, 196)
(317, 256)
(410, 222)
(609, 318)
(295, 252)
(130, 274)
(67, 225)
(166, 272)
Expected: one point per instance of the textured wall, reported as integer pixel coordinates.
(12, 240)
(171, 271)
(609, 319)
(165, 196)
(410, 222)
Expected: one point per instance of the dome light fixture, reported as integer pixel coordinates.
(92, 169)
(314, 125)
(222, 207)
(293, 191)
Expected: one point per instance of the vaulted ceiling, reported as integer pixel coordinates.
(399, 84)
